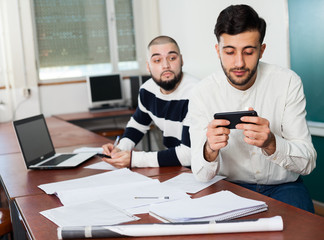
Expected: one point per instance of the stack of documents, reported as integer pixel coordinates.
(220, 206)
(113, 197)
(121, 192)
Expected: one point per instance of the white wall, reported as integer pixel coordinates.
(191, 23)
(20, 64)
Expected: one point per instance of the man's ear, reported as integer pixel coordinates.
(147, 66)
(263, 47)
(217, 49)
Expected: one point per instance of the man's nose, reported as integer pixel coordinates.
(239, 60)
(165, 64)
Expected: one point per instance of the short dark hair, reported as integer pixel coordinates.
(162, 40)
(237, 19)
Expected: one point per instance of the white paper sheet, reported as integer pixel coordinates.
(88, 149)
(103, 179)
(188, 183)
(219, 206)
(133, 196)
(97, 212)
(101, 166)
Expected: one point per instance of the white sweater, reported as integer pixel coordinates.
(278, 96)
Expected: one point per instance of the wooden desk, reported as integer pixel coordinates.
(63, 134)
(85, 116)
(18, 181)
(298, 224)
(25, 197)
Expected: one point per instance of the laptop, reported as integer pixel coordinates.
(37, 147)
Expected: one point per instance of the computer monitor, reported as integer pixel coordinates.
(105, 90)
(136, 82)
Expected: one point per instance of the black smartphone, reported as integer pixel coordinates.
(234, 117)
(102, 155)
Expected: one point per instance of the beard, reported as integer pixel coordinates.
(169, 84)
(244, 81)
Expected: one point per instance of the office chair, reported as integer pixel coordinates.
(5, 222)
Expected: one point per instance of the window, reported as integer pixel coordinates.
(77, 38)
(2, 55)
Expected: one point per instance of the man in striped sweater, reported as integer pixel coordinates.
(163, 100)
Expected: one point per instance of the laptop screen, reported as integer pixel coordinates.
(34, 139)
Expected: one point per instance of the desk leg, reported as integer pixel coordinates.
(19, 231)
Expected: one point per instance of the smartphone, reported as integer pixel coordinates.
(102, 155)
(234, 117)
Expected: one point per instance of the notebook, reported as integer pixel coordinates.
(37, 147)
(220, 206)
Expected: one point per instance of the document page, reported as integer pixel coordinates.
(126, 196)
(101, 166)
(223, 205)
(98, 212)
(103, 179)
(188, 183)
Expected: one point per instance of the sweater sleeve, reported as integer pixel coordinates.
(202, 169)
(136, 128)
(294, 149)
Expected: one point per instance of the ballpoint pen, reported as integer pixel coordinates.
(116, 141)
(166, 197)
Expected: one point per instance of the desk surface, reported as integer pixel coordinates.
(298, 224)
(71, 117)
(21, 186)
(63, 134)
(18, 181)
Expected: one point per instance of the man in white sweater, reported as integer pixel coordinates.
(267, 153)
(163, 100)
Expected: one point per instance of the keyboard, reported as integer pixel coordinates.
(57, 160)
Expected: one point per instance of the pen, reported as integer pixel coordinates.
(166, 197)
(116, 141)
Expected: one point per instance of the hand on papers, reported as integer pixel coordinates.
(110, 149)
(119, 159)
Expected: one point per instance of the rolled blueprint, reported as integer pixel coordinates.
(162, 229)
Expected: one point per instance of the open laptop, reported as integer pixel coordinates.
(37, 147)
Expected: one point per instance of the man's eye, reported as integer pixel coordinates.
(173, 58)
(156, 60)
(229, 53)
(248, 53)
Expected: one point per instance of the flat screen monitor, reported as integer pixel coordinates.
(105, 90)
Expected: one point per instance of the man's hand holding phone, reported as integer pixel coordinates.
(217, 137)
(218, 130)
(255, 129)
(257, 133)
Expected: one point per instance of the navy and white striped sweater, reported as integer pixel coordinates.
(168, 113)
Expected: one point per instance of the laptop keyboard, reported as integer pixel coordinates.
(57, 160)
